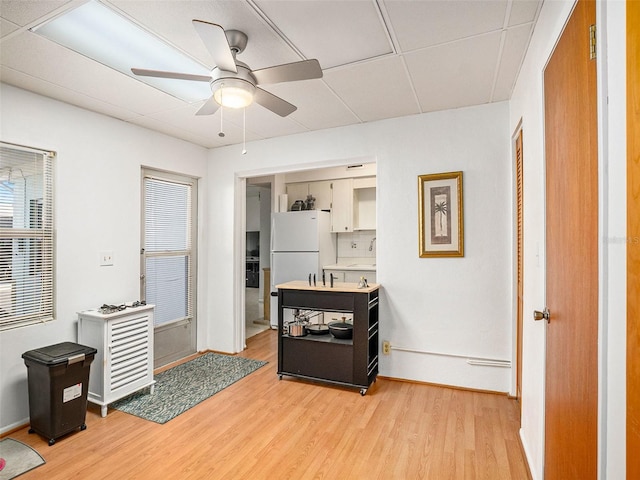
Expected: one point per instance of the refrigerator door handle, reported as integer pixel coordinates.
(272, 235)
(271, 277)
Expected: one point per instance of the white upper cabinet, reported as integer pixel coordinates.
(342, 205)
(352, 201)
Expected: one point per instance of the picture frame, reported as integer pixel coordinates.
(440, 207)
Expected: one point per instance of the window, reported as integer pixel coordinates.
(26, 236)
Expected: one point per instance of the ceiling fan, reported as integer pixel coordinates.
(233, 83)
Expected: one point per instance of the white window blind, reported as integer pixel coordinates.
(26, 236)
(168, 249)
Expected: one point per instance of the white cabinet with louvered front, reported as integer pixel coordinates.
(124, 361)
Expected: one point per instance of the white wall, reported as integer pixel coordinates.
(97, 207)
(527, 105)
(449, 305)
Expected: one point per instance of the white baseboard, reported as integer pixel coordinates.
(14, 426)
(528, 458)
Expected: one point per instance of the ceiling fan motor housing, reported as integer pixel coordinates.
(242, 83)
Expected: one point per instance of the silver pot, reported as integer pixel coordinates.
(297, 330)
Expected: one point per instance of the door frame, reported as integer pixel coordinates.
(276, 176)
(632, 240)
(165, 175)
(517, 339)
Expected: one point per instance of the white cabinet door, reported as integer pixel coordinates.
(342, 205)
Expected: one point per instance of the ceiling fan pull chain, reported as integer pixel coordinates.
(221, 134)
(244, 130)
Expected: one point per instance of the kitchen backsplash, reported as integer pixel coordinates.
(357, 245)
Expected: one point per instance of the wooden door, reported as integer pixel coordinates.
(571, 397)
(633, 240)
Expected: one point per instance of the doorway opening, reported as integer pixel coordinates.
(277, 193)
(257, 235)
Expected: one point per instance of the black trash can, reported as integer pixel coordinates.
(58, 377)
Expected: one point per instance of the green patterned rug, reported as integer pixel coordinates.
(184, 386)
(17, 458)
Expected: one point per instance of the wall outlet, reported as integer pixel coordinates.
(106, 258)
(386, 347)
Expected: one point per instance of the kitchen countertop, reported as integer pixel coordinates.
(360, 267)
(337, 287)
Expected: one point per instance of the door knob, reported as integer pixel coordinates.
(543, 315)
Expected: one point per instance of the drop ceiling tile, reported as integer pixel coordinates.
(374, 90)
(42, 87)
(204, 126)
(334, 32)
(516, 41)
(318, 106)
(171, 130)
(456, 74)
(263, 122)
(171, 20)
(523, 11)
(7, 27)
(38, 57)
(421, 24)
(24, 12)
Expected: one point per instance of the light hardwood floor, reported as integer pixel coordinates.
(263, 428)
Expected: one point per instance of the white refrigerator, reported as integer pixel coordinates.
(301, 244)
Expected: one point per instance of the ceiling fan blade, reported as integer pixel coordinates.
(273, 103)
(178, 76)
(289, 72)
(216, 42)
(209, 107)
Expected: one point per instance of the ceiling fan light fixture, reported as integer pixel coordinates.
(233, 92)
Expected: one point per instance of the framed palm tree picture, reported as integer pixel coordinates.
(441, 232)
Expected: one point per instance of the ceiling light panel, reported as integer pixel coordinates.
(171, 20)
(107, 37)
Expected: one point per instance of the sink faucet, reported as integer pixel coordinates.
(371, 244)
